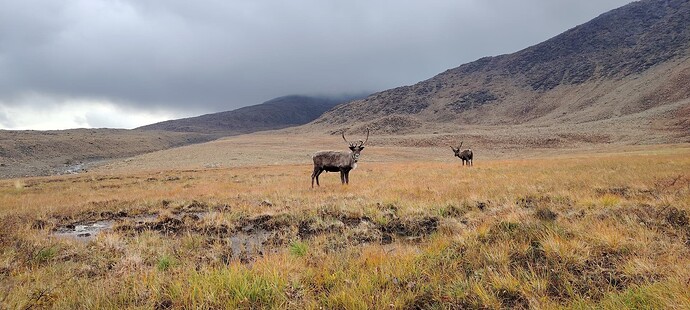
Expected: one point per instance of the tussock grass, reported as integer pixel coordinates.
(610, 231)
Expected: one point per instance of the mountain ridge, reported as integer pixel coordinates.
(589, 73)
(277, 113)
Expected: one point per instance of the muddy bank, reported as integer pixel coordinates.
(248, 236)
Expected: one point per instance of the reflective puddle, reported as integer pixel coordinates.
(86, 231)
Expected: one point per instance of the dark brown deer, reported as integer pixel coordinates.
(337, 161)
(465, 156)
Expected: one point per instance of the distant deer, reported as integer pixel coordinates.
(334, 161)
(465, 155)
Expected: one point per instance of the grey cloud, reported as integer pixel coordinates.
(5, 121)
(206, 56)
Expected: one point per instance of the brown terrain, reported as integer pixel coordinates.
(30, 152)
(578, 198)
(619, 80)
(621, 77)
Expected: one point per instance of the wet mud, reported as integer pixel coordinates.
(245, 237)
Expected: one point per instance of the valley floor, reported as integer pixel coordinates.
(601, 228)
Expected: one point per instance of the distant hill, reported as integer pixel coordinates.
(33, 152)
(623, 73)
(277, 113)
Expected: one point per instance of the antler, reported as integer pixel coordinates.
(348, 142)
(358, 143)
(460, 145)
(361, 143)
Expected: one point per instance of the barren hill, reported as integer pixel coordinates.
(32, 152)
(623, 75)
(277, 113)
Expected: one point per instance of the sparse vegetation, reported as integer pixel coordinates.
(554, 232)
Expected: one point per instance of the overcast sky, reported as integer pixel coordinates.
(126, 63)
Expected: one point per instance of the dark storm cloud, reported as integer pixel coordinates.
(210, 55)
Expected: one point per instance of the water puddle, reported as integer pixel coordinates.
(249, 239)
(245, 243)
(84, 231)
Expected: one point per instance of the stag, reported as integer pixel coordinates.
(465, 155)
(335, 161)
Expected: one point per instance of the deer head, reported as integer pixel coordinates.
(457, 150)
(356, 147)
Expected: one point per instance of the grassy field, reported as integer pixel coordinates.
(605, 230)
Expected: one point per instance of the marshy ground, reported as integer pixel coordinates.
(605, 230)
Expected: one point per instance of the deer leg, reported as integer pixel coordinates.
(342, 176)
(315, 175)
(347, 177)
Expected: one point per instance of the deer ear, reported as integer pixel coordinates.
(352, 148)
(361, 148)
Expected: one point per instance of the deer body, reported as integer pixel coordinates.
(336, 161)
(465, 155)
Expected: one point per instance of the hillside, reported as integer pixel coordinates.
(277, 113)
(621, 78)
(31, 152)
(626, 70)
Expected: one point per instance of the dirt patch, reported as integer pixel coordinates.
(482, 205)
(196, 207)
(268, 222)
(534, 201)
(459, 210)
(248, 237)
(311, 227)
(411, 227)
(677, 218)
(545, 214)
(347, 218)
(166, 225)
(512, 299)
(367, 232)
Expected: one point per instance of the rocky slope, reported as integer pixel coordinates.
(627, 69)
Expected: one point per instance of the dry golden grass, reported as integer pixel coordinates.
(605, 230)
